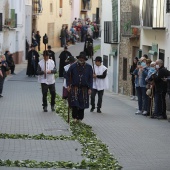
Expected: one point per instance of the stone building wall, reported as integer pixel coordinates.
(126, 51)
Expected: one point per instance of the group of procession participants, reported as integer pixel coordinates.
(81, 81)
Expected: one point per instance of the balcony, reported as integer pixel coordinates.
(36, 7)
(153, 14)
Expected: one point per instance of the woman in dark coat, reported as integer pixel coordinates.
(33, 59)
(63, 56)
(88, 46)
(132, 68)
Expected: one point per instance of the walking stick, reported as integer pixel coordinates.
(45, 41)
(68, 120)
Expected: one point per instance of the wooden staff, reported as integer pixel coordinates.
(68, 119)
(45, 41)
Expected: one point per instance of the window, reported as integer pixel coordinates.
(61, 3)
(124, 68)
(51, 7)
(167, 6)
(0, 21)
(105, 60)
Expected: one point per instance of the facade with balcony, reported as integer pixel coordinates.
(121, 43)
(49, 16)
(155, 29)
(12, 27)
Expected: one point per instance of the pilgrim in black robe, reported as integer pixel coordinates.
(33, 59)
(63, 56)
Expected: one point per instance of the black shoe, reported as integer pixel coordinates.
(45, 109)
(52, 108)
(92, 109)
(1, 95)
(99, 111)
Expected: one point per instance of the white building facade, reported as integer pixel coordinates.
(13, 32)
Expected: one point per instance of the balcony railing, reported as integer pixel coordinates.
(36, 7)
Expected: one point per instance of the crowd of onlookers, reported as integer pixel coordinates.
(78, 31)
(150, 84)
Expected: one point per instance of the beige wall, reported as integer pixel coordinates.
(51, 23)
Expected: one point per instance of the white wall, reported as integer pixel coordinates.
(75, 9)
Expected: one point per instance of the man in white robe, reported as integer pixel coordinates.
(100, 82)
(46, 70)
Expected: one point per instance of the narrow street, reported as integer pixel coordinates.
(137, 142)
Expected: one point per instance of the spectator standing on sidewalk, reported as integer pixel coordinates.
(132, 68)
(160, 90)
(3, 69)
(46, 70)
(140, 84)
(63, 56)
(100, 83)
(38, 39)
(79, 81)
(63, 36)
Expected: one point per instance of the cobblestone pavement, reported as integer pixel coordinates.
(137, 142)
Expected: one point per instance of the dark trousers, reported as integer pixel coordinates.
(77, 113)
(100, 96)
(45, 88)
(12, 68)
(63, 41)
(142, 98)
(160, 104)
(1, 84)
(38, 46)
(133, 88)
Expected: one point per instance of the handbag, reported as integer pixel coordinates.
(65, 93)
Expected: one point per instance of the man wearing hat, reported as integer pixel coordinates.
(51, 54)
(63, 56)
(100, 82)
(46, 70)
(33, 59)
(79, 81)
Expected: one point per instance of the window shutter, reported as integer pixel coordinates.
(0, 21)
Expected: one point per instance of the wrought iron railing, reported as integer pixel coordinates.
(36, 7)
